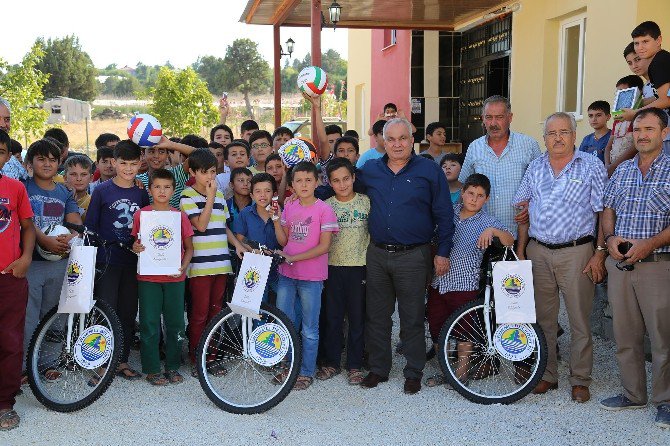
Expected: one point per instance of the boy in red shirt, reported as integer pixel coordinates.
(17, 241)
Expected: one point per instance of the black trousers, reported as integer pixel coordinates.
(402, 276)
(118, 287)
(345, 295)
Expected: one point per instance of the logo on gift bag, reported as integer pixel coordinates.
(268, 344)
(94, 347)
(161, 237)
(513, 285)
(251, 279)
(514, 342)
(73, 272)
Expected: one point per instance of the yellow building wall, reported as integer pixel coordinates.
(535, 53)
(359, 85)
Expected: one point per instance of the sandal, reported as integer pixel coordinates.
(156, 379)
(280, 377)
(435, 380)
(52, 376)
(194, 371)
(215, 368)
(355, 377)
(174, 377)
(9, 420)
(131, 375)
(303, 383)
(327, 372)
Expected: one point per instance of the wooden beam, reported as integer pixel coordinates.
(316, 57)
(252, 11)
(283, 11)
(277, 75)
(381, 25)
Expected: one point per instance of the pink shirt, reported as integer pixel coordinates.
(305, 225)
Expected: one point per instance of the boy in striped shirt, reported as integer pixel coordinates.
(206, 208)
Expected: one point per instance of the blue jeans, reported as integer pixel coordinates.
(307, 294)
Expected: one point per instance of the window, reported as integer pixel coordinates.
(390, 38)
(571, 65)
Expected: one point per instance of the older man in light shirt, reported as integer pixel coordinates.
(12, 168)
(503, 156)
(564, 188)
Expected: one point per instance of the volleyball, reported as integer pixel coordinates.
(144, 130)
(312, 81)
(52, 231)
(294, 151)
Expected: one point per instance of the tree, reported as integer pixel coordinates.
(212, 70)
(289, 80)
(22, 86)
(71, 70)
(246, 70)
(331, 62)
(182, 103)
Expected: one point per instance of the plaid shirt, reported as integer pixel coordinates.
(504, 172)
(465, 259)
(563, 207)
(14, 169)
(641, 204)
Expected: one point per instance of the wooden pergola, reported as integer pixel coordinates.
(444, 15)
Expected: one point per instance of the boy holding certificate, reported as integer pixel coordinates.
(162, 294)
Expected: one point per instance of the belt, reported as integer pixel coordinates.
(657, 257)
(578, 242)
(397, 248)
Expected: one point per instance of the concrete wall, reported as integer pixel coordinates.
(390, 72)
(535, 53)
(359, 85)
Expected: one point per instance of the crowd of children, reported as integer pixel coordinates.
(223, 191)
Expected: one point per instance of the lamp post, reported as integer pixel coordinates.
(334, 10)
(289, 47)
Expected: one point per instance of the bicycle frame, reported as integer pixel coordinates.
(488, 304)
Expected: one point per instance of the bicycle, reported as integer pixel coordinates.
(478, 367)
(261, 357)
(72, 358)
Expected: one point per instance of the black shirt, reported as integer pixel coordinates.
(659, 71)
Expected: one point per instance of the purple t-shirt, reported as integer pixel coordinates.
(305, 225)
(110, 214)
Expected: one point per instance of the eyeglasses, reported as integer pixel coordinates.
(554, 134)
(263, 145)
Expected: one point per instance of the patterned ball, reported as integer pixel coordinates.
(312, 81)
(293, 151)
(144, 130)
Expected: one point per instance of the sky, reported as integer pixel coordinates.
(153, 32)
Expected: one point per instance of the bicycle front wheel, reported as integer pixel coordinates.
(501, 373)
(248, 366)
(69, 374)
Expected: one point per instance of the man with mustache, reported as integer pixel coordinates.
(564, 189)
(503, 156)
(636, 223)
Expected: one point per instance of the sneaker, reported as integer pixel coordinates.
(663, 416)
(620, 402)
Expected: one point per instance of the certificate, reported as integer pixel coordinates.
(160, 233)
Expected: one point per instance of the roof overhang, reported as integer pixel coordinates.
(447, 15)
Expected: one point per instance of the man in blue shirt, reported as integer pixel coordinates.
(409, 197)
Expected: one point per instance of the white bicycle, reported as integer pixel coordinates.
(72, 358)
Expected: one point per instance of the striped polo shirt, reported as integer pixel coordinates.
(211, 255)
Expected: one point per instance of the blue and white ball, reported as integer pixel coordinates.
(145, 130)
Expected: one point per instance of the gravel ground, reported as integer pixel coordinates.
(332, 412)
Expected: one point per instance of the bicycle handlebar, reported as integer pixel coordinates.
(81, 229)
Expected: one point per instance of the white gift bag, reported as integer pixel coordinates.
(76, 295)
(160, 233)
(514, 292)
(250, 285)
